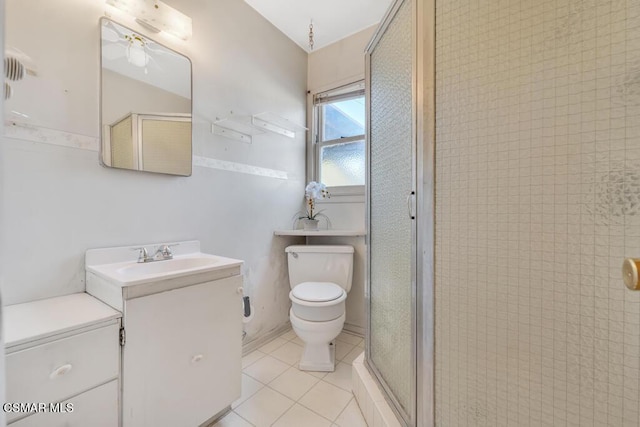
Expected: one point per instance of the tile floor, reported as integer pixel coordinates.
(276, 393)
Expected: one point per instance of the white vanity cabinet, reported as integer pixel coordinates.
(64, 353)
(182, 332)
(182, 354)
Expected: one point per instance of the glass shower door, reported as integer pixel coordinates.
(390, 350)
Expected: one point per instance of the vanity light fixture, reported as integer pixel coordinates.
(156, 16)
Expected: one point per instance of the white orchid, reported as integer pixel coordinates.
(314, 191)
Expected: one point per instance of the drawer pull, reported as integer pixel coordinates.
(197, 358)
(61, 371)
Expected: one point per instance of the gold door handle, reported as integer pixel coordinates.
(630, 268)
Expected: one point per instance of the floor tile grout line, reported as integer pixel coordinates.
(286, 410)
(294, 401)
(307, 392)
(254, 378)
(267, 385)
(344, 409)
(279, 375)
(270, 343)
(264, 354)
(297, 401)
(250, 396)
(341, 388)
(243, 418)
(263, 383)
(308, 409)
(283, 361)
(275, 391)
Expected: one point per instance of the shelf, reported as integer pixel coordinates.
(320, 233)
(235, 128)
(245, 128)
(276, 124)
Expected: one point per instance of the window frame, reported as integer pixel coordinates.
(341, 93)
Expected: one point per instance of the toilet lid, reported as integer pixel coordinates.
(317, 291)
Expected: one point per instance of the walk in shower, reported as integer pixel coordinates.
(398, 226)
(515, 130)
(391, 338)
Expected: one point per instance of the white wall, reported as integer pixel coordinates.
(57, 201)
(332, 66)
(339, 63)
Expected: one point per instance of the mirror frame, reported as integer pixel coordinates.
(101, 97)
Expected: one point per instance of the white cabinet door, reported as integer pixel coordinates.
(182, 357)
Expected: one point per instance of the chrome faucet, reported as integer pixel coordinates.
(163, 252)
(143, 256)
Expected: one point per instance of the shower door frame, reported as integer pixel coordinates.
(423, 229)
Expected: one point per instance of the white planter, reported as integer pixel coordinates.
(310, 224)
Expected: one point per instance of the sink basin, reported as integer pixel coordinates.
(130, 273)
(114, 275)
(168, 266)
(119, 266)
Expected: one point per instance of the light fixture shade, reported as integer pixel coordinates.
(157, 15)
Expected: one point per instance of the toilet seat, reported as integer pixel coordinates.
(318, 301)
(317, 291)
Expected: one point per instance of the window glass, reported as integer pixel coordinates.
(343, 119)
(339, 135)
(343, 164)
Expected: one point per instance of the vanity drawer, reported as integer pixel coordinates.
(94, 408)
(56, 370)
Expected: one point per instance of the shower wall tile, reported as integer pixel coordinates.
(537, 203)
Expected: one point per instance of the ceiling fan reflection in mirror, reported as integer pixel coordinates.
(120, 42)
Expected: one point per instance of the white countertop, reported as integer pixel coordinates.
(113, 275)
(36, 320)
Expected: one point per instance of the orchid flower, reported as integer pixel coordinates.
(314, 191)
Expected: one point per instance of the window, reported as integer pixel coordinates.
(339, 134)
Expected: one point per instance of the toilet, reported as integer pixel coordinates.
(320, 278)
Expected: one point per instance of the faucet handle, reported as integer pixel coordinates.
(165, 250)
(143, 256)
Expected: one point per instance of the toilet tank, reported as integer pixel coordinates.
(321, 263)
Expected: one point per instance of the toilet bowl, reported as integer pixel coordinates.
(320, 278)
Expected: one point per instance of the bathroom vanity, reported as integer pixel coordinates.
(63, 352)
(181, 331)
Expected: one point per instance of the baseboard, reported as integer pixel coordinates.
(217, 417)
(354, 329)
(373, 405)
(262, 340)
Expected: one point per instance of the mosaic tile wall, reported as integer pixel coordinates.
(537, 204)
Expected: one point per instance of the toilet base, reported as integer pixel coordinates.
(319, 350)
(315, 358)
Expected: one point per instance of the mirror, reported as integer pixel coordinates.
(145, 109)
